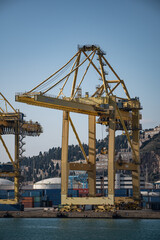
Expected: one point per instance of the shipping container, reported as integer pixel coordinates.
(155, 206)
(36, 193)
(25, 194)
(53, 195)
(28, 205)
(28, 199)
(28, 202)
(155, 199)
(44, 198)
(73, 192)
(37, 199)
(3, 197)
(11, 207)
(37, 204)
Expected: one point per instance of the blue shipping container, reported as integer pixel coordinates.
(11, 207)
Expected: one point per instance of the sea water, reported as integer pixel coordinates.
(74, 229)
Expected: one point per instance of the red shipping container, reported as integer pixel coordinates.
(28, 199)
(28, 202)
(83, 191)
(28, 205)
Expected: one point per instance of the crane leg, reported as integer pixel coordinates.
(64, 158)
(135, 144)
(16, 178)
(111, 151)
(92, 156)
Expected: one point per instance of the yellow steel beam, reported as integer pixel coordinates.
(123, 199)
(113, 81)
(125, 89)
(7, 151)
(9, 116)
(101, 91)
(8, 201)
(68, 74)
(16, 178)
(133, 104)
(135, 143)
(7, 174)
(87, 200)
(75, 75)
(83, 76)
(61, 90)
(92, 63)
(1, 109)
(92, 155)
(64, 157)
(78, 139)
(114, 88)
(8, 103)
(71, 106)
(61, 104)
(4, 123)
(126, 132)
(111, 149)
(81, 166)
(103, 75)
(126, 166)
(122, 82)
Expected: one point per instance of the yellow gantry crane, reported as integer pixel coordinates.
(12, 122)
(116, 112)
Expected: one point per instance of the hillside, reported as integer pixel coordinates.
(150, 158)
(152, 144)
(47, 164)
(44, 163)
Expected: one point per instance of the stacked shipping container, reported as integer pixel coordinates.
(52, 197)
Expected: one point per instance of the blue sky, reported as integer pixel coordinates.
(39, 36)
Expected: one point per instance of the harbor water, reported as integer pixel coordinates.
(75, 229)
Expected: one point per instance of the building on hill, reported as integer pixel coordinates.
(148, 134)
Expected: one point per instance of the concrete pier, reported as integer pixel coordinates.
(50, 213)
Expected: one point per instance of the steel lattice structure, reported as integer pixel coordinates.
(116, 112)
(12, 122)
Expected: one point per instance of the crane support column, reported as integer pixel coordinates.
(92, 156)
(135, 144)
(64, 158)
(111, 150)
(16, 179)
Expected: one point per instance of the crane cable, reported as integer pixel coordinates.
(53, 79)
(69, 73)
(54, 73)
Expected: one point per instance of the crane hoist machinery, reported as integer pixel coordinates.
(12, 123)
(88, 69)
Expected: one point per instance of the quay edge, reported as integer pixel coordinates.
(123, 214)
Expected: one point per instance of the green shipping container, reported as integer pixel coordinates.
(37, 199)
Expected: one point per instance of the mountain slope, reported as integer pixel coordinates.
(150, 158)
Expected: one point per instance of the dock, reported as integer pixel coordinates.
(51, 213)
